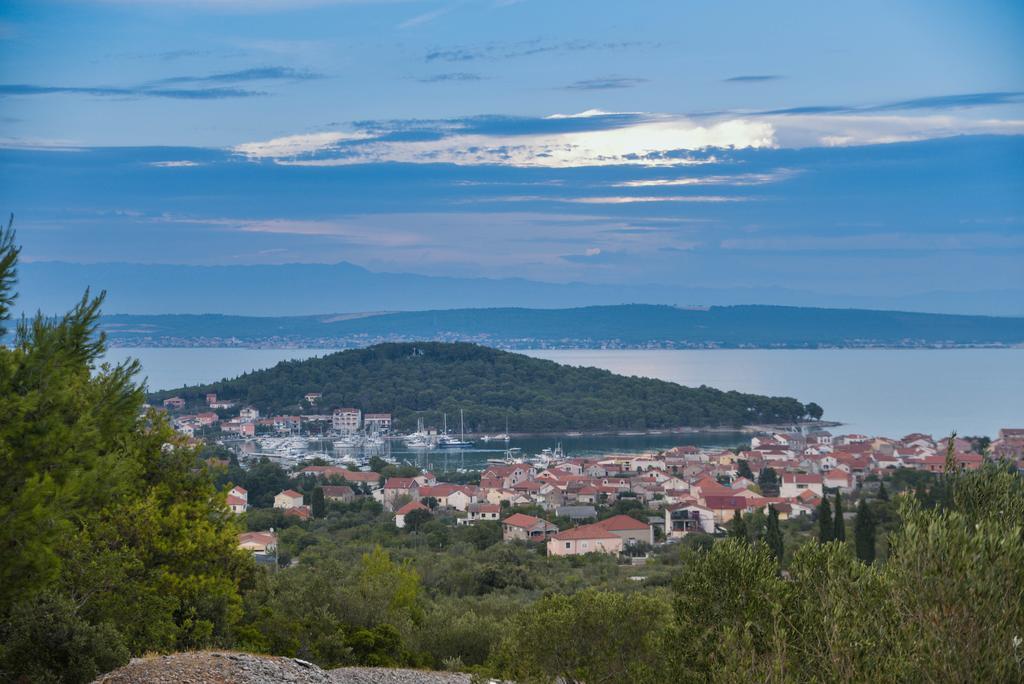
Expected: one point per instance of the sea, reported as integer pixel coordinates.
(890, 392)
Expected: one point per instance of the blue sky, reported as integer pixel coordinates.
(833, 147)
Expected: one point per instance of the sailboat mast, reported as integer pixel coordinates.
(462, 427)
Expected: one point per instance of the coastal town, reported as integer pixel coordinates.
(569, 505)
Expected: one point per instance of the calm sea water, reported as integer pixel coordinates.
(883, 392)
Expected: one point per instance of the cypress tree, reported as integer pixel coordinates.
(739, 527)
(864, 532)
(883, 494)
(840, 524)
(743, 470)
(825, 528)
(318, 505)
(773, 535)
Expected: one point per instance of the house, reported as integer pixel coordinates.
(285, 423)
(396, 488)
(406, 510)
(239, 428)
(505, 476)
(258, 542)
(682, 519)
(526, 528)
(584, 539)
(313, 397)
(457, 497)
(628, 529)
(346, 419)
(839, 479)
(723, 508)
(377, 422)
(794, 483)
(289, 498)
(301, 512)
(207, 418)
(249, 414)
(342, 493)
(238, 499)
(174, 403)
(476, 512)
(211, 398)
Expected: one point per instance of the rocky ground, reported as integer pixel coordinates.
(228, 667)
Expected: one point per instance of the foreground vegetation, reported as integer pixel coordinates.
(422, 380)
(118, 543)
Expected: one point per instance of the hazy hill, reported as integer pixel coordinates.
(425, 379)
(309, 289)
(627, 325)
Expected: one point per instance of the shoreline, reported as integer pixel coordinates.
(667, 432)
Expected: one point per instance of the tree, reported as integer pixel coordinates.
(738, 527)
(826, 530)
(950, 466)
(317, 503)
(773, 535)
(581, 638)
(838, 521)
(864, 532)
(116, 539)
(768, 481)
(416, 519)
(814, 411)
(883, 493)
(743, 470)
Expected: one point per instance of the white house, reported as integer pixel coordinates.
(795, 483)
(289, 498)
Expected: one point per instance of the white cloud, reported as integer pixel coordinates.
(840, 130)
(293, 145)
(742, 179)
(648, 143)
(174, 164)
(650, 140)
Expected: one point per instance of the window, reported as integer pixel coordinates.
(568, 545)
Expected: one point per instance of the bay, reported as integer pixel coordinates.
(874, 391)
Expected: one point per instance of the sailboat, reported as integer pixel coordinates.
(448, 442)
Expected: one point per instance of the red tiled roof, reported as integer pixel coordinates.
(722, 503)
(594, 531)
(622, 522)
(410, 507)
(291, 493)
(522, 520)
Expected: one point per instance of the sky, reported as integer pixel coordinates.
(872, 147)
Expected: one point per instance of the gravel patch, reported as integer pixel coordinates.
(229, 667)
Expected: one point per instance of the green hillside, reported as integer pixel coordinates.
(413, 380)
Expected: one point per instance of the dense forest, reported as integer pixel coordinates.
(632, 325)
(414, 380)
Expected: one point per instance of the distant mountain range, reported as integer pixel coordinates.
(625, 326)
(311, 289)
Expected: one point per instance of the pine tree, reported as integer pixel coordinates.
(826, 531)
(738, 530)
(864, 532)
(840, 524)
(318, 503)
(773, 535)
